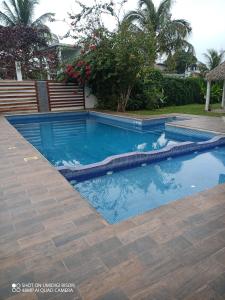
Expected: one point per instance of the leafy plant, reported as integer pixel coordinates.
(216, 92)
(21, 43)
(180, 60)
(21, 13)
(213, 58)
(153, 90)
(116, 58)
(159, 91)
(170, 34)
(183, 91)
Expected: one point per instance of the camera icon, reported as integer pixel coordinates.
(16, 287)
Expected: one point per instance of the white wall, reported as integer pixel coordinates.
(90, 99)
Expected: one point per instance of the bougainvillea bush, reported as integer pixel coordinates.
(79, 72)
(111, 59)
(110, 63)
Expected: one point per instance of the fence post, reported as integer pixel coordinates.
(19, 75)
(43, 97)
(84, 97)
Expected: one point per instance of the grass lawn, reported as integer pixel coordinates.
(194, 109)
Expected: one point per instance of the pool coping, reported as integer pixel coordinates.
(197, 129)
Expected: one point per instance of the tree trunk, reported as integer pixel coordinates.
(122, 103)
(120, 107)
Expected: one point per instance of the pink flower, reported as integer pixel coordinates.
(69, 68)
(92, 47)
(80, 63)
(75, 75)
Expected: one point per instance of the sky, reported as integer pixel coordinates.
(206, 18)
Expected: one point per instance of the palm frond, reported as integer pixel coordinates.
(183, 25)
(163, 14)
(149, 11)
(214, 58)
(55, 38)
(188, 47)
(43, 18)
(15, 7)
(164, 7)
(149, 5)
(180, 29)
(5, 20)
(132, 26)
(26, 10)
(9, 12)
(135, 15)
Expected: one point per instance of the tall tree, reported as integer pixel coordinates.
(21, 13)
(213, 58)
(180, 61)
(171, 34)
(22, 43)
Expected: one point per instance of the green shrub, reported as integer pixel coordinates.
(179, 91)
(137, 103)
(148, 92)
(216, 92)
(153, 90)
(108, 102)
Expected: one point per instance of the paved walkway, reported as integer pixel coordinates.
(216, 124)
(48, 233)
(219, 110)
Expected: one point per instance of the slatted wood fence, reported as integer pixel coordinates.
(18, 96)
(25, 96)
(65, 96)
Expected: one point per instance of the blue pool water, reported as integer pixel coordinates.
(128, 193)
(83, 139)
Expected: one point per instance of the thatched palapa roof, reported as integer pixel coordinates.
(217, 74)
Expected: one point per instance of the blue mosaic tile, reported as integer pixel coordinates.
(134, 159)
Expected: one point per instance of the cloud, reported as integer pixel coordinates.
(207, 20)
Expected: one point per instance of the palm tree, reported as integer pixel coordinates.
(213, 58)
(170, 33)
(21, 12)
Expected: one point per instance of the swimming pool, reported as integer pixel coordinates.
(72, 140)
(128, 193)
(125, 166)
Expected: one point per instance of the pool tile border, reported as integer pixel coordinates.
(135, 159)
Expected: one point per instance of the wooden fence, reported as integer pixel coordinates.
(65, 96)
(30, 96)
(18, 96)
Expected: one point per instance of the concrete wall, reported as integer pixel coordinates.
(90, 99)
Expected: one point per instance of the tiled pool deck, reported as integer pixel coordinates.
(48, 233)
